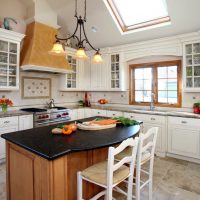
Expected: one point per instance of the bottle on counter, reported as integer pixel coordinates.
(87, 100)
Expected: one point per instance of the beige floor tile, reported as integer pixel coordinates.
(173, 180)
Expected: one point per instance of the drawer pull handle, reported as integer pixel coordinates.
(153, 118)
(6, 122)
(113, 114)
(183, 122)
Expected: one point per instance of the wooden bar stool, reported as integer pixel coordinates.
(146, 151)
(108, 174)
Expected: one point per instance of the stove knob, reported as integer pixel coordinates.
(47, 116)
(58, 116)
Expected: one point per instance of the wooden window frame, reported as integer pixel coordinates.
(133, 27)
(154, 66)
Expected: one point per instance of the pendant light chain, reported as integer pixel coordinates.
(85, 11)
(75, 9)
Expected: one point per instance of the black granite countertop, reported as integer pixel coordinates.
(43, 143)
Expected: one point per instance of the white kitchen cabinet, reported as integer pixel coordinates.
(9, 59)
(73, 113)
(111, 113)
(99, 74)
(78, 79)
(80, 113)
(191, 66)
(184, 136)
(96, 112)
(150, 121)
(25, 122)
(7, 125)
(88, 112)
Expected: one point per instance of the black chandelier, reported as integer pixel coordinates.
(81, 40)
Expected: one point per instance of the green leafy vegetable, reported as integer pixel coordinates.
(99, 119)
(126, 121)
(60, 126)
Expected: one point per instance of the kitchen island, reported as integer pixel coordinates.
(43, 166)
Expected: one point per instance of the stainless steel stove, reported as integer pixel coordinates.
(44, 117)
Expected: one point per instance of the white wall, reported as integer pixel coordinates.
(12, 8)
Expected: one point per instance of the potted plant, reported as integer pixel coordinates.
(196, 108)
(4, 103)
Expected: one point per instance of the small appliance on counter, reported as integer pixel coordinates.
(44, 117)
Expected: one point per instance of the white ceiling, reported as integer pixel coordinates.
(185, 17)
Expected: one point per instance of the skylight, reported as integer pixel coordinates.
(137, 14)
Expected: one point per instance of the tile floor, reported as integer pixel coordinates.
(173, 180)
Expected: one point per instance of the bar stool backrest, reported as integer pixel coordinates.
(130, 160)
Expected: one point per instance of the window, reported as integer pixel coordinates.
(137, 14)
(163, 79)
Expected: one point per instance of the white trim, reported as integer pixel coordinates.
(33, 19)
(11, 35)
(195, 160)
(45, 69)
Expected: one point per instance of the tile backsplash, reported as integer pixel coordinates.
(73, 97)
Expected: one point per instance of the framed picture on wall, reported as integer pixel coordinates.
(36, 88)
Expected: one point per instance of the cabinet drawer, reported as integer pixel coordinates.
(8, 121)
(184, 121)
(111, 113)
(155, 119)
(146, 118)
(97, 112)
(131, 115)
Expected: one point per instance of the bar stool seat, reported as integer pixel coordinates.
(127, 152)
(109, 174)
(98, 173)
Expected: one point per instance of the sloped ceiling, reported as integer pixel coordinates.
(184, 15)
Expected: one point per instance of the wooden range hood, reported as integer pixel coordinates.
(35, 57)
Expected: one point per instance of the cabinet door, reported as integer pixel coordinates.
(80, 114)
(191, 70)
(25, 122)
(115, 71)
(2, 141)
(88, 112)
(184, 141)
(71, 78)
(73, 114)
(159, 143)
(9, 61)
(99, 74)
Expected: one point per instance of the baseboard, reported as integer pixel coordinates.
(195, 160)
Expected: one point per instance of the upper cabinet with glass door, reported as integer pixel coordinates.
(72, 77)
(116, 69)
(192, 67)
(9, 59)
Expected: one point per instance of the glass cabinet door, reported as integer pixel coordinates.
(115, 71)
(192, 61)
(8, 64)
(71, 77)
